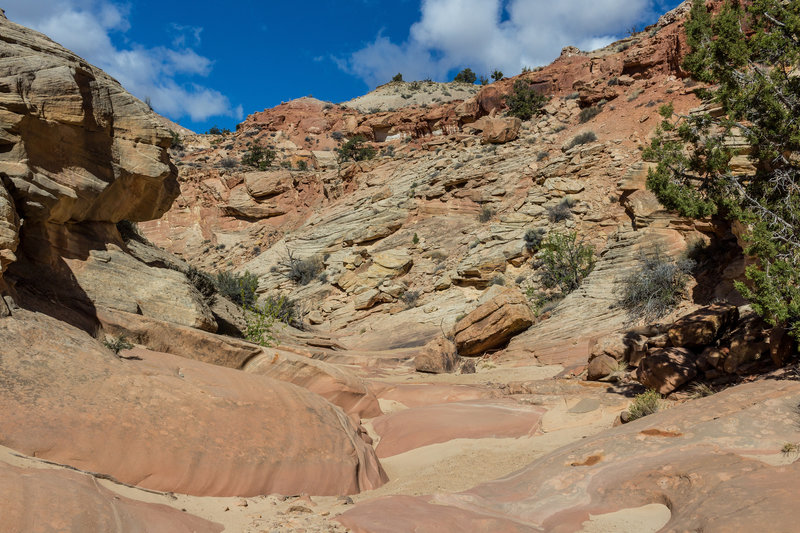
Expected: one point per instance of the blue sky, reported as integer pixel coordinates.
(205, 63)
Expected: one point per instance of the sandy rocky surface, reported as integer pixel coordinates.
(424, 391)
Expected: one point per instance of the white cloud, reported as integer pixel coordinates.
(86, 28)
(489, 34)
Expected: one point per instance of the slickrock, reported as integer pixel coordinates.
(169, 423)
(416, 427)
(729, 445)
(39, 500)
(9, 229)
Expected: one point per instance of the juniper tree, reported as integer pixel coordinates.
(751, 55)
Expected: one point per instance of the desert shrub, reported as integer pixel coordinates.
(582, 138)
(466, 76)
(302, 165)
(240, 289)
(541, 156)
(524, 101)
(203, 282)
(486, 214)
(656, 286)
(565, 261)
(337, 135)
(259, 323)
(644, 404)
(498, 280)
(561, 211)
(176, 141)
(533, 238)
(117, 344)
(588, 113)
(302, 271)
(497, 75)
(259, 157)
(356, 150)
(410, 298)
(129, 231)
(397, 77)
(284, 309)
(228, 162)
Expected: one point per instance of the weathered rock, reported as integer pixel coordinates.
(746, 344)
(500, 130)
(230, 433)
(614, 346)
(437, 357)
(109, 161)
(704, 326)
(37, 500)
(601, 367)
(492, 324)
(9, 229)
(782, 346)
(267, 184)
(666, 369)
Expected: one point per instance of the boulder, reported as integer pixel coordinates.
(493, 324)
(267, 184)
(169, 423)
(782, 346)
(45, 500)
(500, 130)
(601, 367)
(704, 326)
(666, 369)
(437, 357)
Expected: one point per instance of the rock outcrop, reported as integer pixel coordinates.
(37, 500)
(169, 423)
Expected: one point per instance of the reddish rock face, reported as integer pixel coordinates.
(37, 500)
(171, 424)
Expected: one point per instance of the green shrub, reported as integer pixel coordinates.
(497, 75)
(582, 138)
(656, 286)
(533, 238)
(356, 150)
(228, 162)
(588, 113)
(566, 261)
(284, 310)
(240, 289)
(644, 404)
(117, 344)
(176, 141)
(524, 101)
(302, 165)
(397, 77)
(259, 157)
(259, 324)
(466, 76)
